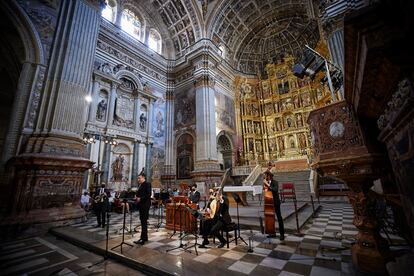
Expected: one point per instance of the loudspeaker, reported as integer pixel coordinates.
(236, 197)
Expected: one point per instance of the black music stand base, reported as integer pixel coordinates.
(123, 235)
(238, 200)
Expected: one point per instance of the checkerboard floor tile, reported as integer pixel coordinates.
(323, 250)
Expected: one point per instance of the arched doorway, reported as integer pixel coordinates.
(224, 152)
(185, 163)
(12, 55)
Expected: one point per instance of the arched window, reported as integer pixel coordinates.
(154, 41)
(109, 13)
(130, 23)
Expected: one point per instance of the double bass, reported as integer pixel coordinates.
(269, 209)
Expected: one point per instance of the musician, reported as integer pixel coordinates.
(194, 194)
(143, 199)
(214, 225)
(101, 206)
(273, 186)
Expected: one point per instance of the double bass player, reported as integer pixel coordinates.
(271, 184)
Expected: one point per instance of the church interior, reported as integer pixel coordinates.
(209, 137)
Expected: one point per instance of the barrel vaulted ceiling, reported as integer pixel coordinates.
(252, 32)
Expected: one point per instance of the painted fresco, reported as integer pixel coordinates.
(224, 112)
(185, 109)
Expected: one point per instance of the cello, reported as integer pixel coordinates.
(269, 208)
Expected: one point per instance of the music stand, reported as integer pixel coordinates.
(181, 245)
(238, 200)
(123, 234)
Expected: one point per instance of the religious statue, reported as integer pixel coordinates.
(281, 144)
(101, 110)
(289, 122)
(302, 141)
(299, 120)
(142, 121)
(117, 168)
(278, 124)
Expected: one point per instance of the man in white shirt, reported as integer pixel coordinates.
(85, 201)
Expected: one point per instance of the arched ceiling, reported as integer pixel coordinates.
(256, 32)
(182, 20)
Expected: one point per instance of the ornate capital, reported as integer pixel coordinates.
(97, 4)
(204, 81)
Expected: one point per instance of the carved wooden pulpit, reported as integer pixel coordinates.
(340, 151)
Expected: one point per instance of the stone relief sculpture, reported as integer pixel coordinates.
(124, 112)
(101, 110)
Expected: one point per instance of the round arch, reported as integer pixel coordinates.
(225, 150)
(125, 73)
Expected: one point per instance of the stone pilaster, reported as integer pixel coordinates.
(112, 99)
(95, 101)
(106, 162)
(148, 167)
(50, 172)
(135, 168)
(169, 168)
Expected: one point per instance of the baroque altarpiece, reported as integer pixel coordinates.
(273, 113)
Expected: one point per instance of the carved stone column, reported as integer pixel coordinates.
(168, 175)
(341, 152)
(206, 163)
(47, 177)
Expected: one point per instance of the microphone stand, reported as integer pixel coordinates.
(160, 215)
(107, 235)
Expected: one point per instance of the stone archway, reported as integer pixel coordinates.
(224, 152)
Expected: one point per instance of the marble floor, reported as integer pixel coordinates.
(324, 249)
(48, 255)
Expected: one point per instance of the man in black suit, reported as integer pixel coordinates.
(194, 195)
(143, 198)
(274, 187)
(101, 205)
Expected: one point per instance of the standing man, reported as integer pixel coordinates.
(101, 206)
(143, 198)
(273, 186)
(194, 194)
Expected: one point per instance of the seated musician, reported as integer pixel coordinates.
(273, 186)
(215, 225)
(194, 195)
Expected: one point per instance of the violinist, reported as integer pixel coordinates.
(273, 186)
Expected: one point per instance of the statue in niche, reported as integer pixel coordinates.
(272, 145)
(302, 141)
(159, 132)
(299, 121)
(249, 127)
(101, 110)
(251, 146)
(289, 122)
(142, 121)
(292, 142)
(296, 101)
(259, 147)
(281, 143)
(289, 104)
(257, 128)
(278, 124)
(117, 168)
(255, 110)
